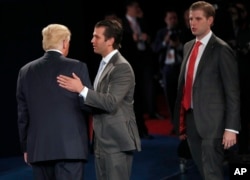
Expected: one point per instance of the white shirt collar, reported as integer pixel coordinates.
(107, 58)
(54, 50)
(206, 38)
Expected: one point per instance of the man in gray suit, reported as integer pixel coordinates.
(116, 135)
(211, 121)
(52, 126)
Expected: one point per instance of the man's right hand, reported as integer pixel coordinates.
(25, 157)
(72, 84)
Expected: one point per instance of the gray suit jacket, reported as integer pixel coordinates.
(51, 123)
(115, 129)
(216, 93)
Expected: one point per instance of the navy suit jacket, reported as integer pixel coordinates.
(51, 123)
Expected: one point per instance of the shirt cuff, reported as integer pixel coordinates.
(84, 92)
(231, 130)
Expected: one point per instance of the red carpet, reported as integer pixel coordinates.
(157, 126)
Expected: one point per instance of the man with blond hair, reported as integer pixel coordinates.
(51, 122)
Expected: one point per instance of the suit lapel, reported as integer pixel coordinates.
(185, 59)
(204, 58)
(207, 51)
(108, 67)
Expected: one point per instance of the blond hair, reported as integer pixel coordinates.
(54, 35)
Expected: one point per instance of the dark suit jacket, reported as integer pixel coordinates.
(115, 129)
(137, 59)
(216, 98)
(51, 124)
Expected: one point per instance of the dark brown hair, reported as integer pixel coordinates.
(113, 29)
(206, 7)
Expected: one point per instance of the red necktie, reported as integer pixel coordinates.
(189, 77)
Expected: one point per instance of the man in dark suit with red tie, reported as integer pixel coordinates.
(208, 115)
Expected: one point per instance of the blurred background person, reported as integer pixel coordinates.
(243, 51)
(169, 49)
(137, 49)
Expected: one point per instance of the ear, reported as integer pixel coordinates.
(65, 47)
(111, 41)
(65, 44)
(211, 20)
